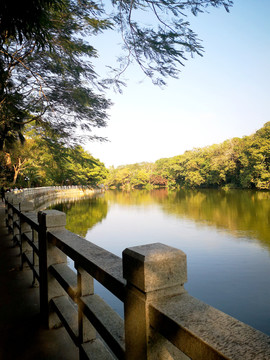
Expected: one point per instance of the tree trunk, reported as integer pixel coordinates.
(16, 173)
(17, 169)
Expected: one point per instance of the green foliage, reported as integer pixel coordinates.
(135, 176)
(52, 83)
(236, 163)
(255, 160)
(29, 19)
(160, 48)
(46, 71)
(41, 162)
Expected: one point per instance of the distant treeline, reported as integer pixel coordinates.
(236, 163)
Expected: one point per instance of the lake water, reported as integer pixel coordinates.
(225, 235)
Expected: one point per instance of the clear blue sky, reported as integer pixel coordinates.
(222, 95)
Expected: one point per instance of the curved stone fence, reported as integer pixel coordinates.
(43, 197)
(161, 320)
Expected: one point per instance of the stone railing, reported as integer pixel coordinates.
(161, 320)
(42, 196)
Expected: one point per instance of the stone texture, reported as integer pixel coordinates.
(52, 218)
(100, 263)
(204, 332)
(27, 205)
(154, 266)
(152, 272)
(85, 284)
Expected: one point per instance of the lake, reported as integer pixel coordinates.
(225, 235)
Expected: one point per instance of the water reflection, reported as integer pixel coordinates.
(84, 214)
(243, 213)
(136, 197)
(224, 234)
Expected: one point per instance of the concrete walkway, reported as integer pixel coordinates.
(21, 334)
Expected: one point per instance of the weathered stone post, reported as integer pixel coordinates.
(85, 283)
(152, 272)
(49, 255)
(15, 218)
(8, 201)
(25, 228)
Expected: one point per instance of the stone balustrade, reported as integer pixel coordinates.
(161, 320)
(43, 197)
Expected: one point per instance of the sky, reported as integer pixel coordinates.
(222, 95)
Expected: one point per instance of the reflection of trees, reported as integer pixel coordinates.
(82, 215)
(242, 212)
(136, 197)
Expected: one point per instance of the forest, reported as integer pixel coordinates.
(235, 163)
(41, 161)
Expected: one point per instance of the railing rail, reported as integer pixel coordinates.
(199, 326)
(104, 266)
(161, 320)
(43, 197)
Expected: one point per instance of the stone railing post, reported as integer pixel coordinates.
(49, 255)
(85, 283)
(15, 231)
(7, 209)
(25, 228)
(152, 272)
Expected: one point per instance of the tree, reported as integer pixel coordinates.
(27, 20)
(243, 163)
(52, 84)
(68, 166)
(161, 47)
(42, 162)
(46, 74)
(16, 160)
(158, 181)
(255, 160)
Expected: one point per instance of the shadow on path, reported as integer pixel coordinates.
(21, 334)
